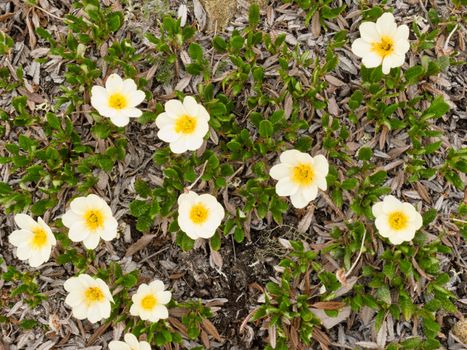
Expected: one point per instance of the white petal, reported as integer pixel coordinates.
(298, 200)
(104, 309)
(25, 221)
(174, 108)
(377, 209)
(164, 120)
(161, 312)
(391, 203)
(309, 193)
(120, 120)
(78, 232)
(178, 146)
(321, 164)
(80, 312)
(164, 297)
(290, 156)
(80, 205)
(285, 187)
(381, 224)
(94, 314)
(133, 112)
(168, 134)
(99, 97)
(136, 98)
(193, 143)
(386, 25)
(396, 60)
(110, 229)
(280, 170)
(201, 129)
(131, 340)
(20, 237)
(387, 64)
(402, 33)
(371, 60)
(91, 241)
(24, 252)
(191, 106)
(361, 48)
(144, 345)
(72, 284)
(118, 345)
(203, 113)
(368, 32)
(128, 86)
(73, 299)
(36, 260)
(188, 198)
(321, 182)
(114, 83)
(401, 47)
(156, 286)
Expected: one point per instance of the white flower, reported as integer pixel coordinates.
(90, 219)
(118, 100)
(382, 42)
(130, 343)
(34, 240)
(88, 298)
(183, 125)
(396, 220)
(149, 301)
(199, 216)
(299, 176)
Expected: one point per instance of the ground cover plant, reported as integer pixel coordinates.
(280, 175)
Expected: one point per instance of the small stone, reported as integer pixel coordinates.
(460, 330)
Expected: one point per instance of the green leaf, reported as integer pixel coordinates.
(349, 184)
(265, 128)
(195, 51)
(253, 15)
(384, 295)
(437, 109)
(365, 153)
(219, 44)
(429, 216)
(115, 21)
(378, 178)
(139, 208)
(413, 73)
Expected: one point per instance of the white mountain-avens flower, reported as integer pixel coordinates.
(396, 220)
(183, 125)
(89, 219)
(199, 216)
(383, 43)
(149, 301)
(34, 240)
(118, 100)
(88, 297)
(300, 176)
(130, 343)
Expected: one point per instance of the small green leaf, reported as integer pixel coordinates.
(265, 128)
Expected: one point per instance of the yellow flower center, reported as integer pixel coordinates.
(398, 220)
(39, 238)
(94, 219)
(185, 124)
(93, 294)
(117, 100)
(303, 174)
(148, 302)
(383, 48)
(199, 213)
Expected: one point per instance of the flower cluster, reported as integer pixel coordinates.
(184, 126)
(89, 219)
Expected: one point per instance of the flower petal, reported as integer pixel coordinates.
(386, 25)
(285, 187)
